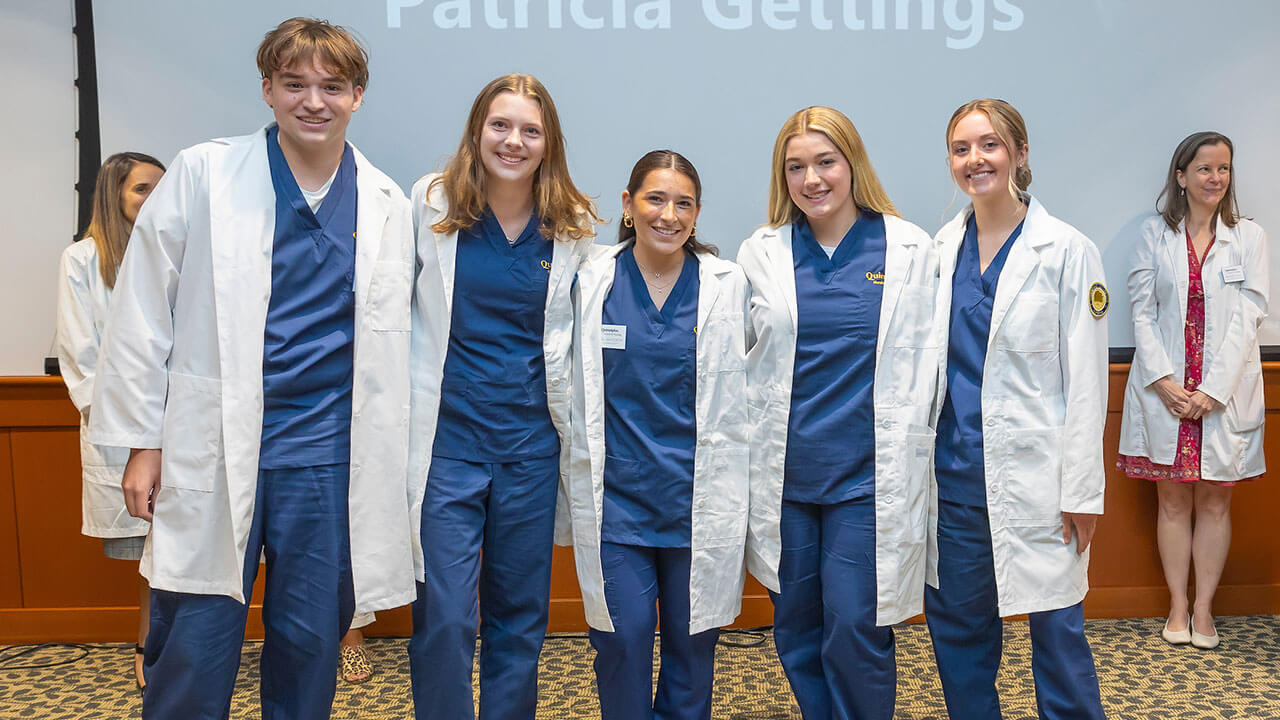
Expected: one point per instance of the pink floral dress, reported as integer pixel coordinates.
(1186, 462)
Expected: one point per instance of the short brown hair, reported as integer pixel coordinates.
(302, 39)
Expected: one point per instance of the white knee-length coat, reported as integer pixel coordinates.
(907, 357)
(721, 492)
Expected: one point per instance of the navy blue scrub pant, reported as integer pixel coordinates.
(487, 531)
(193, 649)
(967, 631)
(636, 579)
(839, 662)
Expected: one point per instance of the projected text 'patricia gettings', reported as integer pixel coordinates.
(966, 21)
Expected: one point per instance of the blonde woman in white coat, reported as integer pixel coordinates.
(1193, 407)
(87, 274)
(499, 236)
(1019, 475)
(841, 383)
(658, 482)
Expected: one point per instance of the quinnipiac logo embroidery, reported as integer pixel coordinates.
(546, 265)
(877, 278)
(1099, 299)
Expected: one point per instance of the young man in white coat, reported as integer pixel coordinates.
(256, 362)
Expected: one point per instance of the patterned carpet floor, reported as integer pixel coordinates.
(1141, 677)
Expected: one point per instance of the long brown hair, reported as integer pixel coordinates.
(868, 193)
(1010, 128)
(563, 209)
(666, 160)
(107, 224)
(1172, 202)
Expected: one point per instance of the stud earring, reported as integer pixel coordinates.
(627, 222)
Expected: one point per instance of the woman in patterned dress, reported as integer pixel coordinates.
(1193, 405)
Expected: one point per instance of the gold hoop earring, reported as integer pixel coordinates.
(627, 222)
(694, 231)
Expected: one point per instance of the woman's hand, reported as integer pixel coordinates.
(1197, 405)
(1172, 395)
(141, 482)
(1081, 527)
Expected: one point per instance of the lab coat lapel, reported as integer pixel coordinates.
(561, 254)
(709, 272)
(897, 268)
(1175, 246)
(778, 249)
(1023, 258)
(372, 211)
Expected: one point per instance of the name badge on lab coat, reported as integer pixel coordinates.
(1233, 274)
(613, 337)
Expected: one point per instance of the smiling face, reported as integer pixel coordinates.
(512, 139)
(1207, 177)
(664, 210)
(137, 186)
(819, 178)
(981, 163)
(312, 105)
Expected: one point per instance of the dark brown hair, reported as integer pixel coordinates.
(1172, 201)
(666, 160)
(108, 226)
(302, 39)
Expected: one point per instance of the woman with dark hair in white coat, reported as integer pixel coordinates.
(1193, 405)
(87, 276)
(841, 383)
(1019, 467)
(658, 481)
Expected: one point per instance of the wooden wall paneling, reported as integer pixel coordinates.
(61, 567)
(10, 567)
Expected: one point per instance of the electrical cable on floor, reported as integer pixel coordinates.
(9, 654)
(754, 637)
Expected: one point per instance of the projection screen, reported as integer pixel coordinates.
(1108, 90)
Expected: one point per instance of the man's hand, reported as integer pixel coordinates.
(1081, 527)
(141, 482)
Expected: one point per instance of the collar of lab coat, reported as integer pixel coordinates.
(563, 249)
(1175, 246)
(900, 236)
(710, 270)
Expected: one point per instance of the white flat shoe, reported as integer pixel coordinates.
(1205, 642)
(1180, 637)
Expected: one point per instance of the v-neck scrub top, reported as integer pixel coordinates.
(649, 425)
(961, 471)
(830, 438)
(308, 344)
(493, 398)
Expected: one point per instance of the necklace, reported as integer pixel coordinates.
(654, 286)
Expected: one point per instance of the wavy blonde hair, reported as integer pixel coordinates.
(868, 193)
(1010, 128)
(563, 209)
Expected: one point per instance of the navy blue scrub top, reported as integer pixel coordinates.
(308, 343)
(961, 471)
(649, 425)
(830, 435)
(493, 399)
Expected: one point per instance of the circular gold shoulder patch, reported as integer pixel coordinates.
(1099, 299)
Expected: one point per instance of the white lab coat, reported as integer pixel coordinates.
(1044, 401)
(432, 314)
(1231, 433)
(907, 352)
(720, 471)
(83, 299)
(182, 369)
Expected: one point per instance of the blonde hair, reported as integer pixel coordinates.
(563, 209)
(867, 192)
(302, 39)
(107, 225)
(1010, 128)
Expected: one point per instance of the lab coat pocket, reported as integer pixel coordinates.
(192, 433)
(1031, 324)
(722, 500)
(1246, 409)
(387, 307)
(1032, 477)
